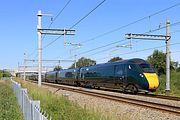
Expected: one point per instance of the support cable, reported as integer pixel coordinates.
(143, 50)
(79, 21)
(60, 12)
(174, 24)
(129, 24)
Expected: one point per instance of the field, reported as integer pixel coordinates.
(60, 108)
(174, 84)
(9, 108)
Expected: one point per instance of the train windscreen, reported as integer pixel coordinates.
(147, 68)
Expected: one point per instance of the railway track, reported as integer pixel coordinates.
(158, 106)
(147, 95)
(140, 94)
(161, 97)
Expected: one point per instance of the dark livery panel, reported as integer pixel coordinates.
(51, 77)
(34, 77)
(98, 75)
(132, 75)
(69, 76)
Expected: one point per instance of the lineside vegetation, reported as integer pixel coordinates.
(59, 107)
(4, 74)
(174, 84)
(9, 108)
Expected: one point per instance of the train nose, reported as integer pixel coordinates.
(152, 79)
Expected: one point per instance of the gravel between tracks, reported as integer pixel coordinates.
(116, 110)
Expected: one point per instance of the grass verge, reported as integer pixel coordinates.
(174, 84)
(9, 108)
(59, 107)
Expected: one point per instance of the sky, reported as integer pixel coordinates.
(95, 33)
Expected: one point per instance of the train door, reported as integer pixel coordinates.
(120, 77)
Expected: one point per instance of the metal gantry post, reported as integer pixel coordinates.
(159, 37)
(18, 67)
(75, 61)
(46, 31)
(167, 57)
(24, 76)
(64, 38)
(39, 47)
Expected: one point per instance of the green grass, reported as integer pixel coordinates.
(9, 108)
(174, 84)
(60, 108)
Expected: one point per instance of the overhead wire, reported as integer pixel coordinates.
(85, 52)
(175, 31)
(101, 47)
(114, 30)
(79, 21)
(175, 51)
(124, 26)
(98, 48)
(129, 24)
(110, 48)
(107, 49)
(143, 50)
(58, 14)
(32, 53)
(174, 24)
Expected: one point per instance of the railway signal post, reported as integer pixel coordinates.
(165, 38)
(47, 32)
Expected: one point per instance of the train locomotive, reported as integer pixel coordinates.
(133, 75)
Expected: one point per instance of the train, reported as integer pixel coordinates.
(132, 75)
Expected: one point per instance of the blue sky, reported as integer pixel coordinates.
(19, 29)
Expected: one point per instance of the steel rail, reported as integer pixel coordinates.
(142, 94)
(165, 97)
(160, 96)
(158, 106)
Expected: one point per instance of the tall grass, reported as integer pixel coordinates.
(174, 84)
(59, 107)
(9, 108)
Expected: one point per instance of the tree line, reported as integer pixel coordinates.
(4, 73)
(157, 59)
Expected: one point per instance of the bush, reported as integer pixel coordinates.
(174, 84)
(5, 74)
(178, 69)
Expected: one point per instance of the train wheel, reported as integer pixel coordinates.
(78, 84)
(56, 81)
(132, 88)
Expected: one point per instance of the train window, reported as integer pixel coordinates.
(147, 68)
(105, 71)
(120, 70)
(132, 67)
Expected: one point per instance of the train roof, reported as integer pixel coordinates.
(134, 60)
(66, 70)
(127, 61)
(51, 72)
